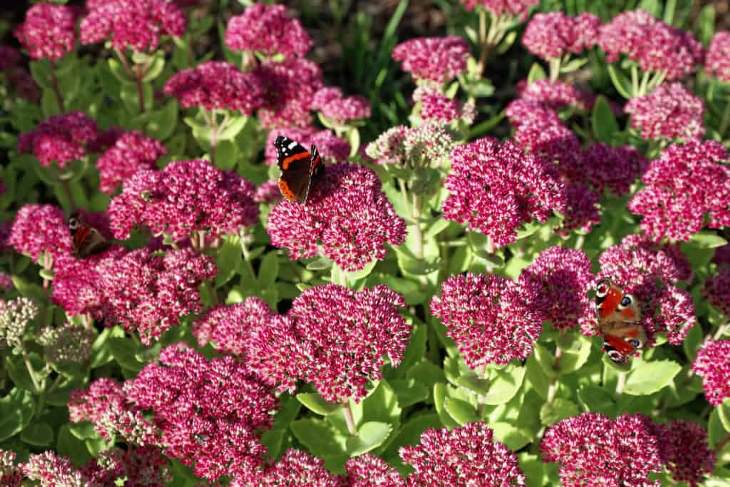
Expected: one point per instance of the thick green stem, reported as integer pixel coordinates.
(31, 372)
(725, 121)
(620, 384)
(349, 418)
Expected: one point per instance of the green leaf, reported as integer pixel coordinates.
(504, 384)
(654, 7)
(706, 24)
(83, 430)
(716, 432)
(707, 240)
(723, 412)
(461, 411)
(226, 155)
(537, 72)
(603, 120)
(559, 408)
(320, 437)
(575, 352)
(597, 399)
(269, 269)
(370, 436)
(155, 68)
(380, 405)
(16, 411)
(124, 353)
(229, 260)
(620, 81)
(18, 372)
(537, 377)
(71, 447)
(410, 432)
(409, 391)
(234, 125)
(514, 438)
(38, 434)
(649, 377)
(315, 403)
(439, 399)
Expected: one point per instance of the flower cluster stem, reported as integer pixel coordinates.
(349, 418)
(57, 89)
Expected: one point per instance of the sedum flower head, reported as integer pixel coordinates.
(39, 229)
(48, 32)
(289, 90)
(436, 107)
(437, 59)
(130, 152)
(295, 468)
(51, 470)
(330, 102)
(488, 318)
(497, 8)
(669, 112)
(713, 365)
(11, 474)
(15, 316)
(684, 450)
(68, 344)
(612, 168)
(717, 290)
(368, 470)
(717, 62)
(554, 34)
(467, 455)
(269, 30)
(61, 139)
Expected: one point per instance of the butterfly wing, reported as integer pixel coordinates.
(297, 166)
(87, 240)
(618, 319)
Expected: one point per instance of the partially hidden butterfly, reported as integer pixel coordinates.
(298, 167)
(87, 240)
(618, 321)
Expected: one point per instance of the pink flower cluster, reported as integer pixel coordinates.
(686, 189)
(207, 410)
(295, 468)
(267, 29)
(60, 139)
(216, 85)
(149, 293)
(653, 44)
(290, 87)
(652, 273)
(346, 212)
(488, 317)
(684, 450)
(184, 198)
(134, 24)
(436, 59)
(468, 455)
(38, 229)
(498, 8)
(49, 31)
(439, 108)
(429, 143)
(131, 152)
(368, 470)
(333, 338)
(713, 365)
(553, 35)
(330, 102)
(331, 148)
(717, 61)
(669, 112)
(495, 188)
(552, 95)
(717, 290)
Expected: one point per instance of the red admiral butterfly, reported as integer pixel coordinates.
(87, 240)
(298, 166)
(618, 322)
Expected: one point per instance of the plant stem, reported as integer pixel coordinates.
(138, 75)
(57, 89)
(31, 372)
(210, 119)
(247, 255)
(620, 384)
(725, 122)
(349, 418)
(67, 191)
(555, 68)
(416, 215)
(634, 80)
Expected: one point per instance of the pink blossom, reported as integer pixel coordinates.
(369, 470)
(51, 470)
(684, 450)
(467, 455)
(289, 89)
(267, 29)
(553, 95)
(553, 35)
(60, 139)
(11, 474)
(717, 62)
(582, 209)
(593, 449)
(131, 151)
(268, 192)
(330, 102)
(713, 365)
(653, 44)
(686, 188)
(669, 112)
(49, 31)
(24, 85)
(437, 59)
(208, 411)
(717, 290)
(612, 168)
(216, 85)
(346, 212)
(333, 149)
(495, 188)
(134, 24)
(439, 108)
(488, 317)
(184, 198)
(722, 255)
(149, 293)
(295, 468)
(38, 229)
(518, 8)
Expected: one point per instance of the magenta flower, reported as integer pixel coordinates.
(186, 197)
(437, 59)
(722, 255)
(488, 317)
(684, 450)
(131, 152)
(346, 212)
(593, 449)
(652, 273)
(669, 112)
(560, 279)
(495, 188)
(24, 85)
(149, 293)
(104, 405)
(467, 455)
(517, 8)
(208, 411)
(290, 87)
(713, 365)
(439, 108)
(686, 189)
(369, 470)
(216, 85)
(717, 62)
(268, 192)
(144, 466)
(333, 149)
(653, 44)
(265, 341)
(11, 474)
(717, 290)
(60, 139)
(612, 168)
(134, 24)
(582, 209)
(267, 29)
(38, 229)
(49, 31)
(340, 109)
(553, 35)
(49, 469)
(295, 468)
(553, 95)
(346, 336)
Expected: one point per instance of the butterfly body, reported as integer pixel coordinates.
(87, 240)
(618, 321)
(298, 167)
